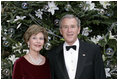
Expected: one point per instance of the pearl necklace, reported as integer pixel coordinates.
(37, 62)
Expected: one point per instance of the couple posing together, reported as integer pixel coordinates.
(73, 59)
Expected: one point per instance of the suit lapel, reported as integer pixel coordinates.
(81, 61)
(61, 63)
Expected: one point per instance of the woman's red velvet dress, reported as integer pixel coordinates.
(25, 70)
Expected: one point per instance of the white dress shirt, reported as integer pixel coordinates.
(71, 59)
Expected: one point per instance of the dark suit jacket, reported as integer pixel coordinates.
(90, 64)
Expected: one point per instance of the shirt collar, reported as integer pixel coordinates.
(75, 43)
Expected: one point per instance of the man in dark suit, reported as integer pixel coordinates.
(75, 59)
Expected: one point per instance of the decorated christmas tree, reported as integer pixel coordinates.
(98, 26)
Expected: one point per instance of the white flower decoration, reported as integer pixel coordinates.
(111, 36)
(39, 13)
(105, 4)
(86, 31)
(13, 58)
(96, 39)
(17, 47)
(107, 70)
(52, 7)
(19, 18)
(90, 6)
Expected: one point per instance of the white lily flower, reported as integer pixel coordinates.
(39, 13)
(13, 58)
(17, 47)
(105, 4)
(52, 7)
(99, 37)
(90, 5)
(19, 18)
(96, 39)
(86, 31)
(107, 70)
(111, 36)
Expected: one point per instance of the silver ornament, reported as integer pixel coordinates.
(24, 5)
(5, 43)
(109, 52)
(56, 22)
(11, 31)
(47, 46)
(67, 7)
(6, 72)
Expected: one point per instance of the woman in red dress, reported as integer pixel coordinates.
(33, 65)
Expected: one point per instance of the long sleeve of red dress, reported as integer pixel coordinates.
(25, 70)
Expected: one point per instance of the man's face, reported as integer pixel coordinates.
(69, 30)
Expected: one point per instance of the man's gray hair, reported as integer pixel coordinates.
(70, 16)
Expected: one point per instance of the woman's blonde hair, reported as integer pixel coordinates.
(35, 29)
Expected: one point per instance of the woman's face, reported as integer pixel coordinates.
(36, 42)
